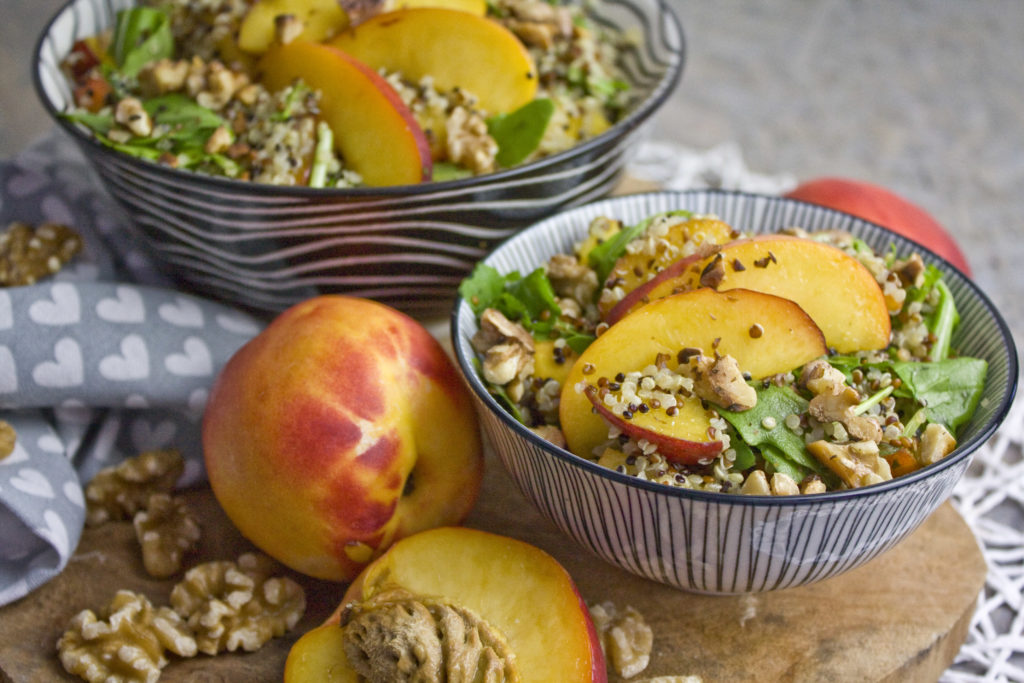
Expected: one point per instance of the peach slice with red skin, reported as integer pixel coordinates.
(374, 131)
(516, 588)
(836, 290)
(458, 49)
(321, 19)
(766, 334)
(321, 436)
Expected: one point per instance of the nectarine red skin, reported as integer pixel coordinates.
(879, 205)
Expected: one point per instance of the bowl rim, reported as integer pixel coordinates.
(676, 51)
(962, 451)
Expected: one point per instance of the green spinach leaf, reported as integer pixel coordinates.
(518, 133)
(141, 35)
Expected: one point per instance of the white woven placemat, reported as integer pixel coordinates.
(990, 497)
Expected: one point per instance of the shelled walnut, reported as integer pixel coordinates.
(626, 638)
(117, 493)
(233, 605)
(8, 437)
(166, 530)
(127, 644)
(29, 253)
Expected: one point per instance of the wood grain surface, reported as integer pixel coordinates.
(901, 617)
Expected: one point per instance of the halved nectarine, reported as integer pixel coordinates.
(835, 289)
(503, 592)
(766, 334)
(374, 131)
(458, 49)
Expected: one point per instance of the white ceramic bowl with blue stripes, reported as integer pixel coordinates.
(731, 543)
(266, 247)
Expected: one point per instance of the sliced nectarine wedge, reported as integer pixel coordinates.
(503, 590)
(836, 290)
(477, 7)
(458, 49)
(374, 131)
(765, 334)
(320, 19)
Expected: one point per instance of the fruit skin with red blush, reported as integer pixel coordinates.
(339, 429)
(879, 205)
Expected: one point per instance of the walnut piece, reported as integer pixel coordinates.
(468, 142)
(721, 381)
(232, 605)
(625, 637)
(117, 493)
(29, 253)
(8, 437)
(396, 636)
(166, 530)
(857, 463)
(127, 644)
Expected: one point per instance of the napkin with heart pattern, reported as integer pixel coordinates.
(101, 362)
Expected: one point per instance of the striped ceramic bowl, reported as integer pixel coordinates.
(265, 247)
(729, 543)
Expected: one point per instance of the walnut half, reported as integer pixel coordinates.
(166, 530)
(127, 644)
(626, 638)
(232, 605)
(117, 493)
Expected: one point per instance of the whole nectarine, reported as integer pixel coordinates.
(879, 205)
(339, 429)
(456, 601)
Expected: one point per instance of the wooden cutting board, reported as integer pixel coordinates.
(901, 617)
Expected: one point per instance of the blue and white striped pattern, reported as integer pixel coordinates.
(727, 543)
(266, 248)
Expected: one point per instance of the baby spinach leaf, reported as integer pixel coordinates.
(949, 390)
(141, 35)
(765, 424)
(602, 258)
(182, 115)
(483, 287)
(445, 170)
(518, 133)
(100, 124)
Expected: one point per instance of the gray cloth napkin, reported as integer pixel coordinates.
(101, 362)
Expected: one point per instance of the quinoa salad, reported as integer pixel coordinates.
(837, 420)
(169, 83)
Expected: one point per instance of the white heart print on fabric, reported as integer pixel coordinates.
(19, 454)
(8, 372)
(32, 482)
(63, 308)
(55, 532)
(73, 492)
(195, 362)
(131, 365)
(238, 325)
(182, 313)
(128, 307)
(63, 372)
(6, 313)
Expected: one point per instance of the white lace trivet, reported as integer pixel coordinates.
(990, 497)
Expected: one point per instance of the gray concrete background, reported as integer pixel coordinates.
(923, 97)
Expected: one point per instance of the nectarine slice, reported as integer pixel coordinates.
(766, 334)
(321, 19)
(836, 290)
(512, 590)
(374, 131)
(477, 7)
(458, 49)
(660, 246)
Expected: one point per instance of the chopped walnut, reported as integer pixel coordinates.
(936, 443)
(395, 636)
(910, 270)
(130, 114)
(233, 605)
(571, 279)
(812, 484)
(756, 484)
(8, 437)
(819, 377)
(507, 347)
(537, 23)
(551, 433)
(117, 493)
(287, 28)
(721, 381)
(220, 86)
(857, 463)
(220, 139)
(28, 254)
(784, 485)
(839, 407)
(127, 644)
(166, 530)
(626, 638)
(163, 76)
(468, 142)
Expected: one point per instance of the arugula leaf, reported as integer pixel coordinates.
(518, 133)
(445, 170)
(483, 287)
(774, 404)
(535, 293)
(949, 390)
(946, 318)
(182, 115)
(100, 124)
(141, 35)
(602, 258)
